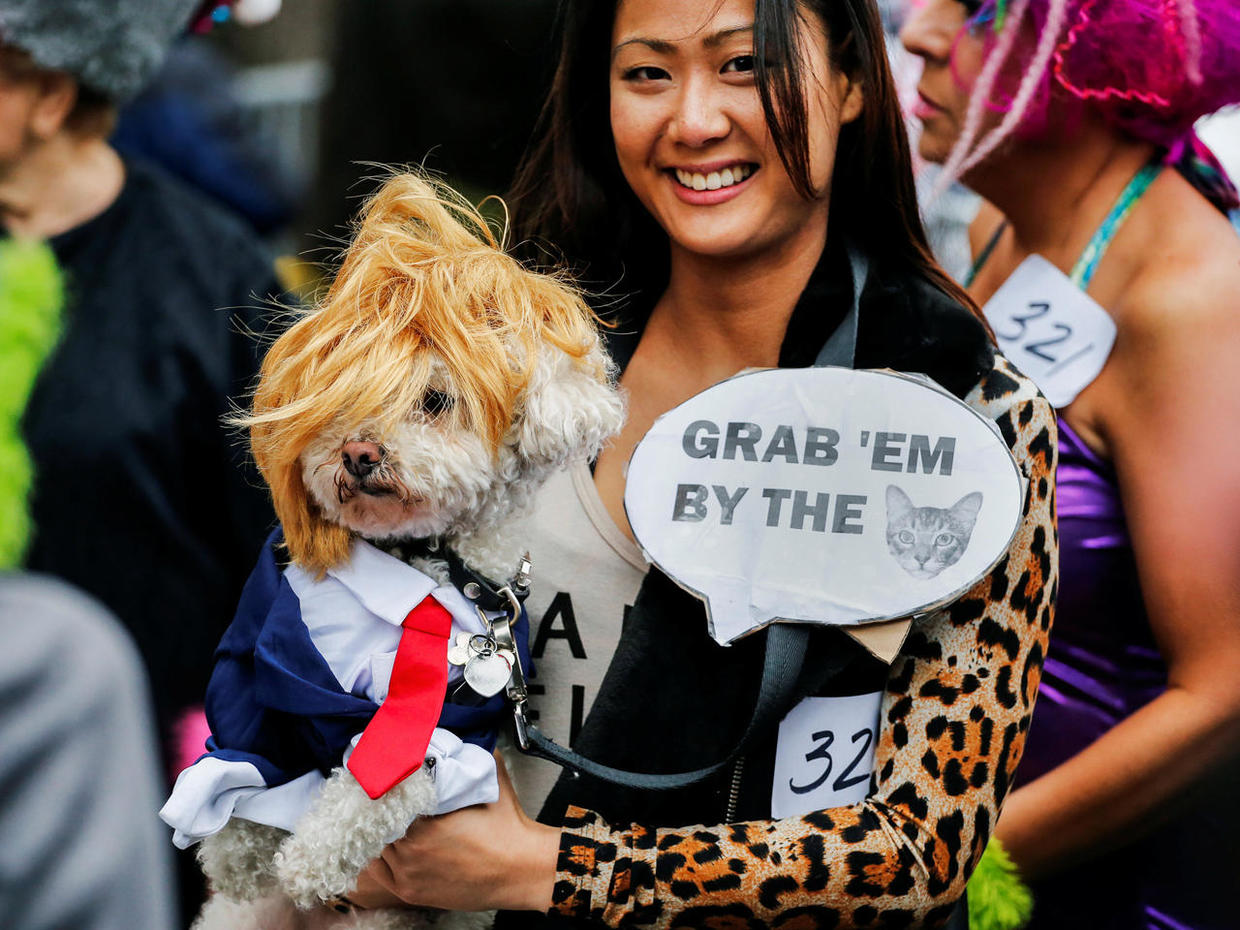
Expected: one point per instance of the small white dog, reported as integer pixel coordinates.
(407, 418)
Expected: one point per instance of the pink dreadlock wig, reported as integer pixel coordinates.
(1151, 68)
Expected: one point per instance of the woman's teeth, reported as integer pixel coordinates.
(715, 180)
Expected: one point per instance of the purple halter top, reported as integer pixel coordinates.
(1103, 665)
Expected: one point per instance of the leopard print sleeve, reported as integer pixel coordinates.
(956, 710)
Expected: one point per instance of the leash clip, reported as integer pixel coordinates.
(521, 580)
(501, 629)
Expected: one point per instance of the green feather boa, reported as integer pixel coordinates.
(31, 299)
(998, 899)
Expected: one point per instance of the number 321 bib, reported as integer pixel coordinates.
(1050, 329)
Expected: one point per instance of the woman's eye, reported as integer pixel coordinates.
(741, 64)
(435, 403)
(944, 539)
(645, 73)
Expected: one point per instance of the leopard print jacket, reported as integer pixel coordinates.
(958, 701)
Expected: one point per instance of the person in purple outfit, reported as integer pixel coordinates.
(1074, 119)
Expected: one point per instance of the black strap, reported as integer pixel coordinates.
(984, 254)
(785, 653)
(786, 643)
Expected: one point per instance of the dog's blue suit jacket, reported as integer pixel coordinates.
(275, 702)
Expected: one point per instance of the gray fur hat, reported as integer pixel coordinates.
(110, 46)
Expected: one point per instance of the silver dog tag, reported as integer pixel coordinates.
(459, 652)
(488, 673)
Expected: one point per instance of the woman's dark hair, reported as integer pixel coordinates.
(569, 191)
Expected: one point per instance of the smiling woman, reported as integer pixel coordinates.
(736, 175)
(685, 116)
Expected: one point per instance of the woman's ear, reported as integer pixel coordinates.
(852, 100)
(57, 96)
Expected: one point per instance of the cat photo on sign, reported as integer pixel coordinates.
(926, 540)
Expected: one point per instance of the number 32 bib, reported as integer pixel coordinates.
(825, 754)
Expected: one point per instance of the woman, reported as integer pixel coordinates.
(1077, 108)
(723, 156)
(140, 496)
(122, 422)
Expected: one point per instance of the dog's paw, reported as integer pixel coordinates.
(238, 860)
(343, 832)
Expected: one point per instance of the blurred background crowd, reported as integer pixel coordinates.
(274, 132)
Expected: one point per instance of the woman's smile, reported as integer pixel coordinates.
(713, 183)
(924, 108)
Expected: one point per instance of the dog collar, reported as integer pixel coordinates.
(476, 587)
(481, 590)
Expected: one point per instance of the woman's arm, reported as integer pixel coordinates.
(957, 707)
(1170, 407)
(478, 858)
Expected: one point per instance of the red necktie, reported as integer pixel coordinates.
(394, 743)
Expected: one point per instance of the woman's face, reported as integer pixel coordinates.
(689, 130)
(935, 32)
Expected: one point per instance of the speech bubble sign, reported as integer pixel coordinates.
(823, 495)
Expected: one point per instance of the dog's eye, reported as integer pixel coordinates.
(435, 402)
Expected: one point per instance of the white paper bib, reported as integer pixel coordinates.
(1050, 329)
(825, 754)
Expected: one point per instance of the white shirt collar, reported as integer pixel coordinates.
(385, 585)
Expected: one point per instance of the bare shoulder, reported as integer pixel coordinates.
(1189, 275)
(1182, 307)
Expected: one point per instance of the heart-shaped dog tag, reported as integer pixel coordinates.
(488, 675)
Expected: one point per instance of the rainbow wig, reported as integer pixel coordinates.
(1151, 68)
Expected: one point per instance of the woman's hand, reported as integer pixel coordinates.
(475, 859)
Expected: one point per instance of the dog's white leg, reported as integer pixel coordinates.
(279, 913)
(343, 831)
(271, 913)
(388, 919)
(238, 861)
(464, 920)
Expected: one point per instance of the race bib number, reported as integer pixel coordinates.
(1050, 329)
(825, 754)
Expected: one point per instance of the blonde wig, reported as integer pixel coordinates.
(424, 280)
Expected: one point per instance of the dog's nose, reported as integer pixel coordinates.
(361, 458)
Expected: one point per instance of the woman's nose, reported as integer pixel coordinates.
(700, 116)
(925, 32)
